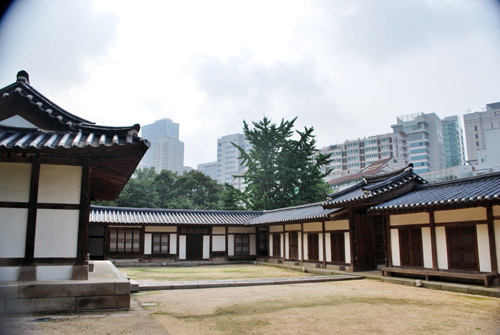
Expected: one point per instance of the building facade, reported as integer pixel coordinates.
(209, 169)
(352, 156)
(167, 151)
(425, 140)
(477, 126)
(454, 144)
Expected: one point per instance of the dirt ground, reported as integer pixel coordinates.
(350, 307)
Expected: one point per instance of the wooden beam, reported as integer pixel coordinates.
(491, 238)
(324, 243)
(388, 239)
(352, 241)
(284, 244)
(227, 246)
(301, 243)
(83, 225)
(29, 252)
(433, 241)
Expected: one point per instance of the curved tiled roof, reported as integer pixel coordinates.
(302, 213)
(152, 216)
(371, 187)
(446, 194)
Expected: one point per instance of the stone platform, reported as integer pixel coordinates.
(106, 288)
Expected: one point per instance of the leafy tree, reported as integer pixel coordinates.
(201, 190)
(231, 198)
(281, 171)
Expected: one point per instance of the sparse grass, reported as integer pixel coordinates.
(209, 272)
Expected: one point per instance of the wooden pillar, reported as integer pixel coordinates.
(491, 238)
(433, 241)
(29, 252)
(284, 244)
(210, 230)
(324, 243)
(226, 257)
(178, 246)
(83, 225)
(302, 243)
(353, 239)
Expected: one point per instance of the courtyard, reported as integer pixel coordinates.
(345, 307)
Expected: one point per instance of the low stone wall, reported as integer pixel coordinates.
(106, 288)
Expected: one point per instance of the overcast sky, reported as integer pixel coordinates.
(347, 68)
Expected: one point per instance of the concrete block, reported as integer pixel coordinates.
(123, 301)
(134, 286)
(17, 306)
(484, 291)
(2, 306)
(455, 288)
(9, 291)
(27, 273)
(80, 272)
(432, 285)
(101, 302)
(68, 289)
(122, 287)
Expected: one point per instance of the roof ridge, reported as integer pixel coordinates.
(459, 180)
(265, 211)
(178, 210)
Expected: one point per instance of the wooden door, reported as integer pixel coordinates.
(293, 240)
(364, 245)
(337, 244)
(194, 246)
(313, 246)
(462, 248)
(379, 234)
(276, 245)
(410, 247)
(263, 242)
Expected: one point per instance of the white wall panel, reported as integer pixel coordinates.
(173, 244)
(427, 247)
(287, 248)
(300, 244)
(496, 225)
(270, 238)
(441, 249)
(347, 240)
(15, 181)
(219, 243)
(60, 184)
(13, 225)
(253, 245)
(282, 245)
(206, 246)
(320, 247)
(483, 248)
(396, 261)
(9, 273)
(306, 255)
(182, 247)
(328, 242)
(147, 244)
(64, 272)
(230, 242)
(56, 233)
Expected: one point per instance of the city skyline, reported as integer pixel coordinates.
(347, 68)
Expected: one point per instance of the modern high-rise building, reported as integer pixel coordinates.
(424, 137)
(227, 167)
(481, 128)
(453, 137)
(167, 152)
(352, 156)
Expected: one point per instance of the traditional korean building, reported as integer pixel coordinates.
(52, 164)
(449, 229)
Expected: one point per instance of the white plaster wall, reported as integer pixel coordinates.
(230, 242)
(275, 229)
(408, 219)
(173, 244)
(182, 246)
(241, 230)
(206, 246)
(313, 226)
(13, 225)
(282, 245)
(293, 227)
(441, 248)
(427, 247)
(162, 229)
(60, 184)
(306, 255)
(9, 273)
(56, 233)
(270, 237)
(460, 215)
(496, 225)
(218, 230)
(396, 260)
(300, 244)
(253, 245)
(287, 247)
(64, 272)
(147, 244)
(219, 243)
(337, 225)
(328, 246)
(347, 244)
(483, 248)
(320, 247)
(15, 181)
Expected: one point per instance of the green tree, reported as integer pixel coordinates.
(196, 190)
(140, 190)
(281, 171)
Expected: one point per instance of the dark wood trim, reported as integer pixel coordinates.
(388, 239)
(55, 261)
(12, 204)
(227, 244)
(29, 253)
(178, 247)
(142, 237)
(301, 243)
(417, 225)
(324, 243)
(83, 225)
(461, 223)
(58, 206)
(11, 261)
(210, 251)
(283, 244)
(491, 239)
(352, 238)
(433, 241)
